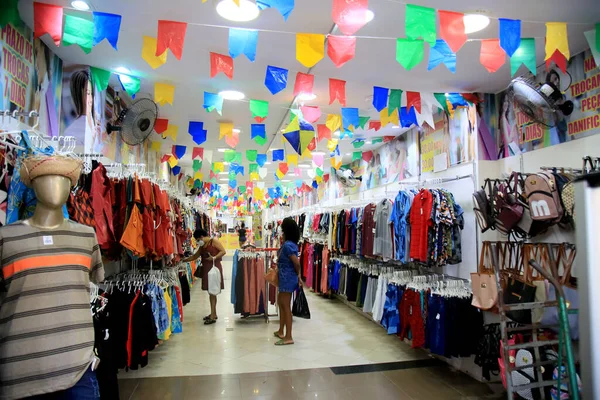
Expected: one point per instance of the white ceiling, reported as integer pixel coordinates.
(374, 64)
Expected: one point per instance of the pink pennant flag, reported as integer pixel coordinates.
(304, 83)
(337, 90)
(198, 152)
(311, 113)
(350, 16)
(341, 49)
(233, 139)
(297, 172)
(318, 159)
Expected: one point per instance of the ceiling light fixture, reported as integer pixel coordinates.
(348, 154)
(222, 150)
(475, 22)
(224, 180)
(223, 173)
(245, 11)
(123, 70)
(231, 95)
(395, 127)
(305, 165)
(236, 130)
(285, 180)
(370, 16)
(268, 163)
(80, 5)
(307, 96)
(336, 133)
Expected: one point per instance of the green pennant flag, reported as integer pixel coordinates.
(260, 140)
(198, 184)
(253, 168)
(79, 31)
(525, 54)
(251, 155)
(229, 155)
(231, 175)
(238, 158)
(9, 13)
(420, 22)
(197, 165)
(409, 52)
(319, 172)
(362, 121)
(441, 98)
(357, 155)
(242, 189)
(358, 144)
(259, 108)
(100, 77)
(294, 114)
(395, 100)
(213, 167)
(377, 140)
(130, 83)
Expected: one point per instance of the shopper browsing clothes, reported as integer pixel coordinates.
(242, 234)
(289, 279)
(211, 251)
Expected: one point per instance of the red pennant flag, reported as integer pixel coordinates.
(492, 56)
(559, 59)
(207, 186)
(233, 139)
(304, 83)
(471, 97)
(350, 16)
(323, 132)
(375, 125)
(283, 167)
(198, 152)
(367, 155)
(161, 125)
(171, 35)
(337, 90)
(259, 119)
(311, 113)
(388, 139)
(180, 176)
(47, 18)
(413, 99)
(165, 158)
(341, 49)
(312, 145)
(326, 178)
(221, 63)
(452, 29)
(212, 175)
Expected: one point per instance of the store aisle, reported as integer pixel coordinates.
(334, 336)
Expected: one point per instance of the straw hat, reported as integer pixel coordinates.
(35, 166)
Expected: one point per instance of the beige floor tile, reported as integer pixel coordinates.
(421, 385)
(267, 385)
(260, 358)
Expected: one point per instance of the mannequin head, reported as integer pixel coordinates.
(52, 190)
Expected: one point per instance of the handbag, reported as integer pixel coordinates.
(483, 283)
(272, 276)
(518, 291)
(508, 209)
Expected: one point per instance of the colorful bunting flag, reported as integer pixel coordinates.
(557, 40)
(225, 129)
(262, 172)
(333, 122)
(363, 121)
(310, 48)
(78, 31)
(410, 52)
(525, 54)
(243, 41)
(323, 132)
(337, 91)
(332, 144)
(171, 132)
(297, 172)
(229, 155)
(510, 35)
(350, 16)
(304, 83)
(197, 152)
(292, 159)
(233, 139)
(559, 59)
(395, 100)
(318, 159)
(413, 99)
(374, 125)
(593, 39)
(259, 109)
(260, 140)
(176, 170)
(197, 131)
(9, 13)
(358, 143)
(172, 161)
(261, 159)
(492, 56)
(164, 93)
(441, 53)
(380, 97)
(178, 151)
(367, 155)
(155, 146)
(283, 167)
(221, 63)
(149, 53)
(278, 155)
(341, 49)
(389, 118)
(257, 130)
(251, 155)
(106, 26)
(130, 84)
(443, 101)
(356, 155)
(213, 101)
(47, 18)
(171, 35)
(161, 125)
(276, 79)
(350, 118)
(293, 138)
(420, 22)
(100, 77)
(285, 7)
(408, 118)
(311, 113)
(452, 29)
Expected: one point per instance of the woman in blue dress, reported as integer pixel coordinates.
(289, 279)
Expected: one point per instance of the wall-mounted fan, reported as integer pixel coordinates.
(346, 176)
(539, 102)
(136, 122)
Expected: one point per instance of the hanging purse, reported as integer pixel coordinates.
(518, 291)
(483, 283)
(508, 209)
(272, 276)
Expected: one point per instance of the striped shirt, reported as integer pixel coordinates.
(46, 327)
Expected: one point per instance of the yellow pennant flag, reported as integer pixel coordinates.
(172, 161)
(336, 162)
(557, 39)
(279, 174)
(218, 167)
(258, 194)
(149, 53)
(333, 122)
(155, 146)
(254, 176)
(237, 2)
(389, 119)
(332, 144)
(164, 93)
(310, 48)
(305, 138)
(171, 132)
(292, 159)
(225, 129)
(319, 179)
(198, 175)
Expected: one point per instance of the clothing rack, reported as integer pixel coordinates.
(252, 250)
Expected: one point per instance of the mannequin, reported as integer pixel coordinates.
(47, 263)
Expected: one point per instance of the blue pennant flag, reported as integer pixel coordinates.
(196, 129)
(350, 117)
(243, 41)
(285, 7)
(345, 132)
(106, 26)
(179, 151)
(408, 117)
(456, 99)
(315, 185)
(441, 53)
(258, 130)
(232, 184)
(276, 79)
(298, 183)
(236, 168)
(278, 155)
(213, 101)
(510, 35)
(261, 159)
(380, 97)
(176, 170)
(294, 140)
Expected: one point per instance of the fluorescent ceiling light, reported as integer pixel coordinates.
(336, 133)
(268, 163)
(305, 165)
(222, 150)
(475, 22)
(223, 173)
(307, 96)
(231, 95)
(395, 127)
(285, 180)
(224, 180)
(370, 16)
(348, 154)
(225, 163)
(80, 5)
(236, 130)
(368, 142)
(122, 70)
(246, 11)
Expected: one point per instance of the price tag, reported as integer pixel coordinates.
(48, 240)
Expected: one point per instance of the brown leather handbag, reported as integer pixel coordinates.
(272, 276)
(483, 283)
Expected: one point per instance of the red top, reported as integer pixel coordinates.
(420, 221)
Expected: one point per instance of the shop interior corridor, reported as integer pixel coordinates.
(337, 354)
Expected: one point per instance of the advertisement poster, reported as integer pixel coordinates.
(514, 133)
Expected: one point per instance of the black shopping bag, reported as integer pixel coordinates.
(300, 308)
